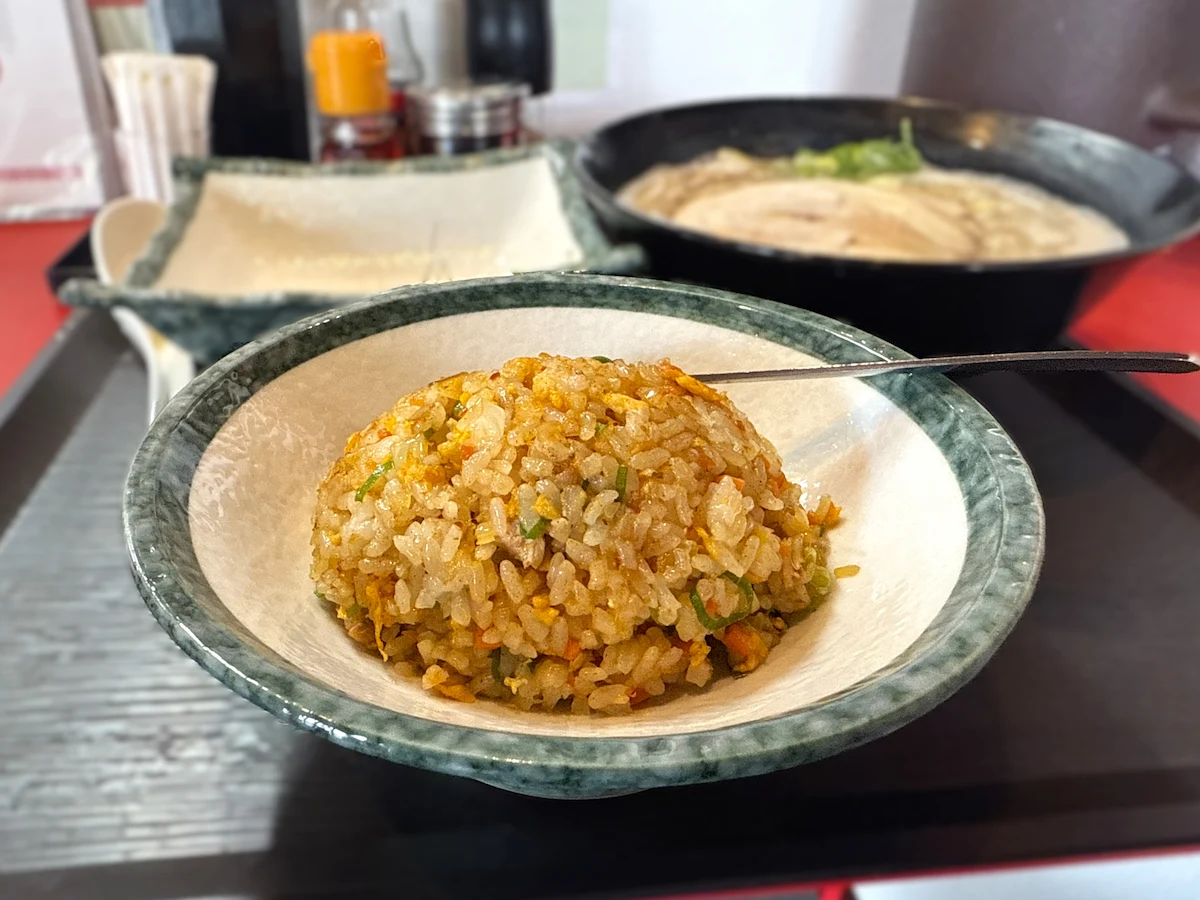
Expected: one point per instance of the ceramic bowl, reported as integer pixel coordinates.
(941, 514)
(293, 239)
(927, 308)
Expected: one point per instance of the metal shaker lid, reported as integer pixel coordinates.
(467, 110)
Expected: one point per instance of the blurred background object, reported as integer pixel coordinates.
(465, 118)
(56, 157)
(349, 69)
(437, 28)
(121, 25)
(260, 107)
(163, 106)
(596, 60)
(1127, 69)
(509, 40)
(670, 52)
(404, 67)
(423, 39)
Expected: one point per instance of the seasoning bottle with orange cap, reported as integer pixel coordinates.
(350, 85)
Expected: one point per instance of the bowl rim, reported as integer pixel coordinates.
(1005, 544)
(601, 196)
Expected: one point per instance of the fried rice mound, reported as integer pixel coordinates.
(579, 533)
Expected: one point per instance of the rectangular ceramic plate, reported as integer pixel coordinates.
(361, 227)
(350, 236)
(251, 245)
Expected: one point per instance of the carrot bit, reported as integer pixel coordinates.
(481, 644)
(459, 692)
(746, 646)
(739, 639)
(831, 517)
(637, 695)
(467, 451)
(739, 483)
(572, 651)
(710, 606)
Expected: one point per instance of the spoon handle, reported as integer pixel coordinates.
(1036, 361)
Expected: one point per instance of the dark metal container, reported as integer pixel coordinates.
(1125, 68)
(923, 307)
(466, 118)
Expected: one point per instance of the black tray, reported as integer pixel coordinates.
(131, 773)
(76, 262)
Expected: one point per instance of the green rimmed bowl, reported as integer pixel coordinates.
(941, 513)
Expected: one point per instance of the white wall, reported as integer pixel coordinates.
(663, 52)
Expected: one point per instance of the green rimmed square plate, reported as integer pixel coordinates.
(250, 245)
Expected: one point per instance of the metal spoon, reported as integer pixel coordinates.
(1038, 361)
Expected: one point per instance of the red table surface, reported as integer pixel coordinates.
(29, 312)
(1150, 304)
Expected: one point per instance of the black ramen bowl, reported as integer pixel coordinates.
(924, 307)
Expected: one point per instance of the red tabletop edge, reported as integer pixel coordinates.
(1150, 304)
(29, 312)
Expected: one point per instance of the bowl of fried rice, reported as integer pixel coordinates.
(499, 529)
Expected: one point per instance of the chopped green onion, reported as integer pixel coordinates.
(743, 609)
(821, 580)
(815, 601)
(429, 433)
(457, 410)
(536, 530)
(353, 611)
(380, 471)
(743, 584)
(318, 595)
(603, 359)
(504, 664)
(858, 160)
(622, 479)
(811, 164)
(601, 427)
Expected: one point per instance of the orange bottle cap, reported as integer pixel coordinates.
(349, 71)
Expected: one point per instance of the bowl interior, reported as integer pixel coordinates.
(905, 521)
(349, 235)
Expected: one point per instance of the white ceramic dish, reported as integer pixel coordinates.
(252, 245)
(941, 514)
(120, 233)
